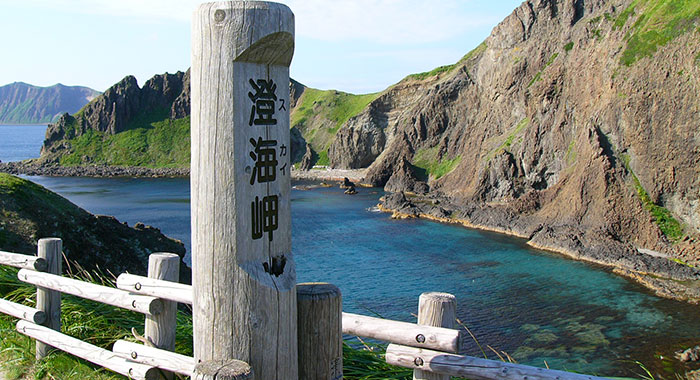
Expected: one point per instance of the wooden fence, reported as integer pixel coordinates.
(430, 347)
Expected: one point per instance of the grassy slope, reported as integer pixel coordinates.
(150, 141)
(657, 23)
(320, 113)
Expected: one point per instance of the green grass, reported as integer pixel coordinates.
(163, 143)
(658, 22)
(320, 114)
(447, 68)
(434, 72)
(508, 142)
(568, 46)
(428, 162)
(570, 155)
(663, 218)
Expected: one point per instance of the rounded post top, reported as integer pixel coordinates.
(259, 31)
(317, 290)
(438, 296)
(50, 240)
(163, 256)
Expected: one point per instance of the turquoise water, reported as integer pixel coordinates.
(536, 306)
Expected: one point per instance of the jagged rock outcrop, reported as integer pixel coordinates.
(360, 141)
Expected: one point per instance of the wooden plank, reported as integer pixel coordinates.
(319, 308)
(89, 352)
(155, 357)
(47, 300)
(435, 309)
(243, 272)
(167, 290)
(223, 370)
(21, 261)
(22, 312)
(99, 293)
(409, 334)
(472, 368)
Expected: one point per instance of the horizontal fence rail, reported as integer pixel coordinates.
(115, 297)
(89, 352)
(156, 357)
(21, 261)
(22, 312)
(167, 290)
(471, 367)
(408, 334)
(416, 346)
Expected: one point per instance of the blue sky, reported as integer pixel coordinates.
(358, 46)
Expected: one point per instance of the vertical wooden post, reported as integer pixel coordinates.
(49, 301)
(160, 329)
(320, 314)
(223, 370)
(439, 310)
(243, 273)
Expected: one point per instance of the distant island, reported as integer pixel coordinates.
(572, 125)
(22, 103)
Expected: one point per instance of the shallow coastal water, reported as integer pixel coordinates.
(534, 305)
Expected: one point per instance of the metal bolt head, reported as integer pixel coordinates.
(134, 355)
(418, 362)
(420, 338)
(137, 286)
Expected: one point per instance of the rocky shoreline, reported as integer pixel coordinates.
(29, 167)
(666, 277)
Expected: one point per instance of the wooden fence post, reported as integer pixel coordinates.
(243, 273)
(160, 329)
(320, 309)
(49, 301)
(223, 370)
(439, 310)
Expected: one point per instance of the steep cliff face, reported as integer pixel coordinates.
(574, 125)
(22, 103)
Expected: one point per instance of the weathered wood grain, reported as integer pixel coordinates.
(439, 310)
(160, 329)
(404, 333)
(473, 368)
(93, 354)
(319, 317)
(19, 260)
(49, 301)
(99, 293)
(155, 357)
(244, 304)
(223, 370)
(167, 290)
(22, 312)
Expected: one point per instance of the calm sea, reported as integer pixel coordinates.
(536, 306)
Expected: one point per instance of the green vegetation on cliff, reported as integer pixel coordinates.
(657, 23)
(156, 144)
(447, 68)
(320, 113)
(428, 161)
(663, 218)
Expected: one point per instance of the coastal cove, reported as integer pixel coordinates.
(534, 305)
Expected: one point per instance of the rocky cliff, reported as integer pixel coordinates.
(574, 125)
(22, 103)
(29, 212)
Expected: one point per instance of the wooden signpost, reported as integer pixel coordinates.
(243, 272)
